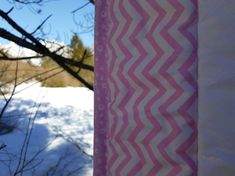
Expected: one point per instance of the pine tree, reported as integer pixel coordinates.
(84, 54)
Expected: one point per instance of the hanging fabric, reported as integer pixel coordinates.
(164, 86)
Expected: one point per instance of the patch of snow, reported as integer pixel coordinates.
(63, 123)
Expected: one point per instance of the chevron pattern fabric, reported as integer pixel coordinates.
(146, 88)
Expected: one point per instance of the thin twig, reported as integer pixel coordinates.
(12, 93)
(40, 26)
(79, 8)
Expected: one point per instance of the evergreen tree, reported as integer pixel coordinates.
(84, 54)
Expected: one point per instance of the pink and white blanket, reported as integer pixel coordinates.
(165, 88)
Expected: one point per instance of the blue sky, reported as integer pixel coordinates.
(60, 26)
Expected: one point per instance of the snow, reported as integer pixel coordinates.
(63, 128)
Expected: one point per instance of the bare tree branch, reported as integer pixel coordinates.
(2, 146)
(79, 8)
(18, 58)
(92, 2)
(40, 26)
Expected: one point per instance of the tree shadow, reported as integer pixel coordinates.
(61, 137)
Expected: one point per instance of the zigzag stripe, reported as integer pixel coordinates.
(148, 90)
(111, 69)
(182, 149)
(139, 124)
(178, 90)
(148, 107)
(131, 57)
(127, 86)
(183, 110)
(133, 155)
(113, 154)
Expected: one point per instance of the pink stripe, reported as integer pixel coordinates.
(182, 149)
(141, 161)
(161, 90)
(178, 90)
(113, 155)
(128, 88)
(190, 120)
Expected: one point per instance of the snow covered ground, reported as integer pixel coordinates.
(61, 143)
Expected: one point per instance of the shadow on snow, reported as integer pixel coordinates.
(61, 134)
